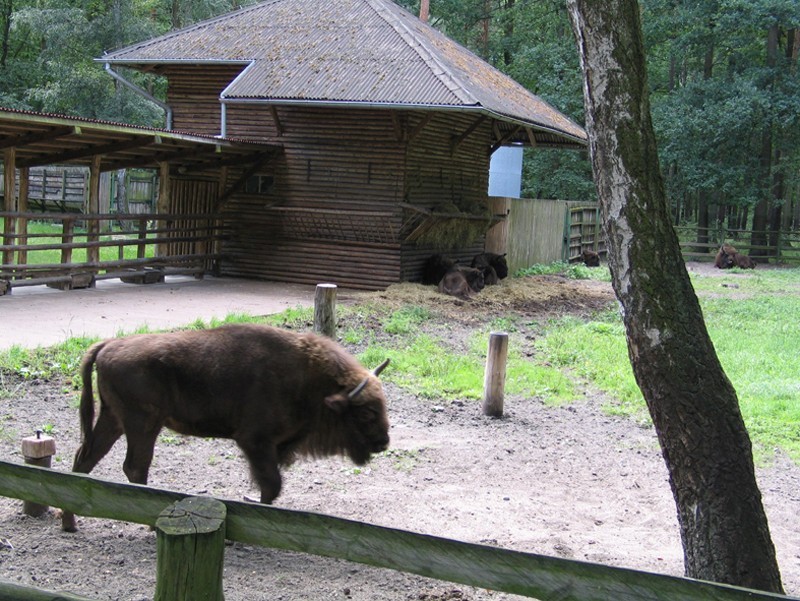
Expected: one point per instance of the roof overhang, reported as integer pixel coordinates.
(40, 139)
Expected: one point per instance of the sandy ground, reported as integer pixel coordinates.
(570, 481)
(40, 316)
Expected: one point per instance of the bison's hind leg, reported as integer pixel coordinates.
(95, 446)
(263, 459)
(141, 444)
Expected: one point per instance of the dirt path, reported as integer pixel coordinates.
(566, 481)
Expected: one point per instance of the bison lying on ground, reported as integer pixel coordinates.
(488, 262)
(278, 394)
(462, 282)
(435, 268)
(728, 258)
(590, 258)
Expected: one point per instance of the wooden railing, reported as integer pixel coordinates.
(482, 566)
(786, 247)
(82, 249)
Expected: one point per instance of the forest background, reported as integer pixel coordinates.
(723, 75)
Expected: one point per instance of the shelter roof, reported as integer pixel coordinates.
(345, 52)
(41, 139)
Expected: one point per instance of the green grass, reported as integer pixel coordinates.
(755, 330)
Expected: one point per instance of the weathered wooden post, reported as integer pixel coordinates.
(325, 310)
(190, 546)
(37, 450)
(494, 379)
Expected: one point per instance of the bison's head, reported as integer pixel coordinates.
(363, 418)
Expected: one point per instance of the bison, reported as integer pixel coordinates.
(278, 394)
(590, 258)
(462, 282)
(495, 261)
(728, 258)
(435, 268)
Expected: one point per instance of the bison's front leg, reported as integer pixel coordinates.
(263, 459)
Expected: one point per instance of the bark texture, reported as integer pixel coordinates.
(693, 405)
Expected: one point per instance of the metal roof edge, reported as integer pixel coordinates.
(174, 61)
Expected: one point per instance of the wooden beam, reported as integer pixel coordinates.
(505, 139)
(22, 207)
(419, 127)
(274, 113)
(34, 137)
(239, 183)
(482, 566)
(93, 252)
(164, 202)
(531, 137)
(458, 140)
(10, 204)
(90, 151)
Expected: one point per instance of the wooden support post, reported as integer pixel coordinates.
(22, 222)
(10, 205)
(494, 379)
(163, 205)
(37, 450)
(93, 225)
(325, 310)
(190, 545)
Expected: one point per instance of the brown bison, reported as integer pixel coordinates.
(462, 282)
(278, 394)
(435, 268)
(497, 263)
(728, 258)
(590, 258)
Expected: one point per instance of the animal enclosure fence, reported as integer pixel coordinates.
(487, 567)
(66, 189)
(784, 246)
(78, 250)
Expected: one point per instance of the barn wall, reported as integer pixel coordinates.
(332, 209)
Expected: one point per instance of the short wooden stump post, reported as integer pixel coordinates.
(494, 378)
(190, 546)
(325, 310)
(37, 450)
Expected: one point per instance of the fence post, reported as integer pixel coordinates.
(494, 379)
(325, 310)
(190, 546)
(37, 450)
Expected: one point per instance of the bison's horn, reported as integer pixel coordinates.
(375, 372)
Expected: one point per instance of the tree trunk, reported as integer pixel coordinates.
(691, 401)
(7, 10)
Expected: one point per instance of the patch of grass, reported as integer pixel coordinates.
(406, 319)
(575, 271)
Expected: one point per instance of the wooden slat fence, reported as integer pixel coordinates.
(526, 574)
(85, 248)
(785, 250)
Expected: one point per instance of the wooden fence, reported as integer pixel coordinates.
(66, 189)
(786, 247)
(482, 566)
(91, 248)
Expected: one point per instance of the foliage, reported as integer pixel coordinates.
(575, 271)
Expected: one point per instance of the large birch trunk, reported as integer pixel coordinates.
(692, 403)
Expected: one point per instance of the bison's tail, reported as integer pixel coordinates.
(87, 399)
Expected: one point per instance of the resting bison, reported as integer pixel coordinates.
(462, 282)
(727, 258)
(278, 394)
(435, 268)
(496, 262)
(590, 258)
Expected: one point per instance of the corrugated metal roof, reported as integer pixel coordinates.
(350, 51)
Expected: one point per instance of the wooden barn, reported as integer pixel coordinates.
(386, 128)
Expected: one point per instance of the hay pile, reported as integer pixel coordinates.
(541, 295)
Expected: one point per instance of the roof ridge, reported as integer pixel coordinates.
(447, 78)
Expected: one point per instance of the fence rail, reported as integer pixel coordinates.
(492, 568)
(84, 248)
(785, 249)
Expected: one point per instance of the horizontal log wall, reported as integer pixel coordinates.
(348, 160)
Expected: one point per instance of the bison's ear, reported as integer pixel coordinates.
(337, 402)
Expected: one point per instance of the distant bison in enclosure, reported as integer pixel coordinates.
(488, 262)
(435, 268)
(462, 282)
(278, 394)
(728, 258)
(590, 258)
